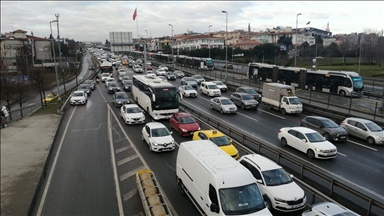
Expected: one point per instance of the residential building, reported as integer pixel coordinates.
(188, 42)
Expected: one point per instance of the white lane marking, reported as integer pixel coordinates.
(341, 154)
(356, 143)
(117, 185)
(247, 116)
(42, 202)
(130, 194)
(170, 206)
(272, 114)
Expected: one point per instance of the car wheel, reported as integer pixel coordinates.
(326, 136)
(242, 106)
(283, 142)
(311, 153)
(221, 111)
(150, 147)
(371, 141)
(182, 189)
(283, 111)
(142, 137)
(268, 202)
(342, 93)
(211, 106)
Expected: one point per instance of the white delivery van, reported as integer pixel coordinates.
(215, 182)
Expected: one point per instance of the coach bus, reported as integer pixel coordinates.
(344, 83)
(159, 98)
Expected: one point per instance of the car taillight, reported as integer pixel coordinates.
(342, 122)
(279, 131)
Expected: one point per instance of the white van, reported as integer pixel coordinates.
(216, 183)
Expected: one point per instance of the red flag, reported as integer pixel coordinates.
(306, 24)
(135, 14)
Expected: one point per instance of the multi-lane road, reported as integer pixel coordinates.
(96, 157)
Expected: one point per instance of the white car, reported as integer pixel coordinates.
(158, 137)
(281, 192)
(104, 76)
(210, 89)
(187, 91)
(160, 72)
(132, 114)
(151, 73)
(163, 67)
(308, 141)
(221, 86)
(328, 209)
(78, 97)
(109, 80)
(137, 69)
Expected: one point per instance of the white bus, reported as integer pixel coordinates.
(159, 98)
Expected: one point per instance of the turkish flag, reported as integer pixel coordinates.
(306, 24)
(135, 14)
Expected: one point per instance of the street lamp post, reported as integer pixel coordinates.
(58, 37)
(297, 17)
(171, 39)
(232, 54)
(263, 56)
(54, 60)
(209, 40)
(147, 33)
(226, 45)
(275, 57)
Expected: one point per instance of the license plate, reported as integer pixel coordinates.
(342, 137)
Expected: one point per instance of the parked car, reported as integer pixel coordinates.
(308, 141)
(84, 87)
(187, 91)
(220, 139)
(328, 209)
(132, 114)
(170, 76)
(223, 104)
(91, 84)
(244, 100)
(364, 129)
(325, 126)
(120, 98)
(198, 78)
(221, 85)
(127, 85)
(158, 137)
(179, 73)
(183, 123)
(210, 89)
(189, 81)
(49, 97)
(250, 91)
(113, 87)
(280, 191)
(78, 97)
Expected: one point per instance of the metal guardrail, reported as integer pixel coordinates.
(323, 183)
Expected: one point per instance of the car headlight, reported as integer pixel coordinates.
(173, 142)
(279, 200)
(119, 102)
(154, 143)
(319, 150)
(118, 88)
(183, 130)
(199, 128)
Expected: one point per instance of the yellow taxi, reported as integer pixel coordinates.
(219, 139)
(124, 62)
(49, 98)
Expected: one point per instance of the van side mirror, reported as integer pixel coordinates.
(214, 208)
(259, 181)
(304, 140)
(287, 102)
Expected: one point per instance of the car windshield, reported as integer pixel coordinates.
(212, 87)
(112, 84)
(122, 96)
(159, 132)
(226, 101)
(188, 87)
(219, 83)
(250, 91)
(220, 141)
(373, 127)
(294, 101)
(276, 177)
(83, 87)
(315, 137)
(187, 120)
(133, 110)
(190, 79)
(198, 77)
(241, 200)
(78, 94)
(247, 97)
(329, 124)
(105, 75)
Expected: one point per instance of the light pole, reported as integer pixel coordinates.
(147, 33)
(54, 60)
(58, 37)
(275, 57)
(297, 17)
(226, 46)
(232, 55)
(263, 56)
(209, 40)
(171, 39)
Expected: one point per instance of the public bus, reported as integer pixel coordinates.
(344, 83)
(157, 97)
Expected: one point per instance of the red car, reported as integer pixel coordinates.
(149, 67)
(184, 124)
(229, 66)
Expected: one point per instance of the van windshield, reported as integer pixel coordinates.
(241, 200)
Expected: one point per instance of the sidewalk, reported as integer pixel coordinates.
(25, 146)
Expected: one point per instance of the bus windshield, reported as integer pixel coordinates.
(209, 62)
(165, 98)
(357, 83)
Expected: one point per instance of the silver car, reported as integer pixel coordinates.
(244, 100)
(364, 129)
(223, 104)
(121, 98)
(198, 78)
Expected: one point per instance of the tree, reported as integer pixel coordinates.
(344, 47)
(37, 75)
(6, 86)
(22, 93)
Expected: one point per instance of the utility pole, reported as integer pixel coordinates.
(58, 37)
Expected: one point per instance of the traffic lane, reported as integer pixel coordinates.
(82, 182)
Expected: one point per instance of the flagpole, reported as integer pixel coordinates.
(137, 25)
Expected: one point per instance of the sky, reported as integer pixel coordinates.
(93, 20)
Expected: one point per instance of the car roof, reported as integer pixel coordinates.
(262, 162)
(79, 92)
(245, 87)
(221, 98)
(319, 118)
(302, 129)
(131, 105)
(183, 114)
(359, 119)
(211, 133)
(241, 93)
(155, 125)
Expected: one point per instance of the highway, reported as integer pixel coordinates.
(96, 156)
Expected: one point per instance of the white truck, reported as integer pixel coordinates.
(281, 97)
